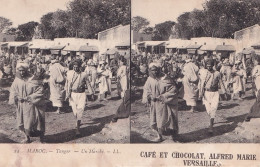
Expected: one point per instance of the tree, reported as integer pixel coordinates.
(89, 17)
(4, 23)
(148, 30)
(37, 33)
(219, 18)
(61, 23)
(163, 31)
(139, 23)
(45, 26)
(26, 31)
(182, 27)
(10, 31)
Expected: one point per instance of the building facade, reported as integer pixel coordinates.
(114, 37)
(6, 37)
(247, 37)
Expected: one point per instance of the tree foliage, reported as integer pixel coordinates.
(46, 26)
(163, 31)
(25, 31)
(139, 23)
(37, 33)
(85, 18)
(219, 18)
(4, 24)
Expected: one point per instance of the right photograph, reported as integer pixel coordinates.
(195, 71)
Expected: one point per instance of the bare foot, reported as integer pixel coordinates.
(210, 130)
(77, 132)
(158, 139)
(25, 141)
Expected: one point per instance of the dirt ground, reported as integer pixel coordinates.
(96, 123)
(193, 127)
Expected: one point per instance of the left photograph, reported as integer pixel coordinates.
(64, 71)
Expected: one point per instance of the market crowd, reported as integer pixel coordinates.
(165, 78)
(38, 80)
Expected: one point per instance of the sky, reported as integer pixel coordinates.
(23, 11)
(158, 11)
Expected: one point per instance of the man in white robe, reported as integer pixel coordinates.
(57, 82)
(190, 83)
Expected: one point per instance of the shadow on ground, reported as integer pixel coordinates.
(5, 139)
(97, 125)
(137, 138)
(218, 130)
(4, 95)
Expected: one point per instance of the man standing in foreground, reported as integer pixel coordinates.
(26, 93)
(57, 81)
(190, 83)
(75, 91)
(161, 94)
(209, 91)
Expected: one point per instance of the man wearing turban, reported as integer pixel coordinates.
(26, 93)
(75, 86)
(209, 91)
(57, 82)
(161, 93)
(190, 83)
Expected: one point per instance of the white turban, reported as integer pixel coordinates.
(101, 62)
(237, 62)
(91, 62)
(22, 65)
(154, 64)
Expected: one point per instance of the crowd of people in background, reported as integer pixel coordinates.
(38, 80)
(170, 76)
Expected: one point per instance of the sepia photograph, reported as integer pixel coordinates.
(64, 68)
(194, 71)
(140, 83)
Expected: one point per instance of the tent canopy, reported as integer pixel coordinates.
(18, 44)
(57, 47)
(43, 45)
(154, 43)
(208, 47)
(182, 46)
(248, 51)
(4, 44)
(86, 48)
(257, 45)
(123, 44)
(111, 51)
(55, 52)
(172, 45)
(225, 48)
(72, 48)
(193, 46)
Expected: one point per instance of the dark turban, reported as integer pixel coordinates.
(210, 62)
